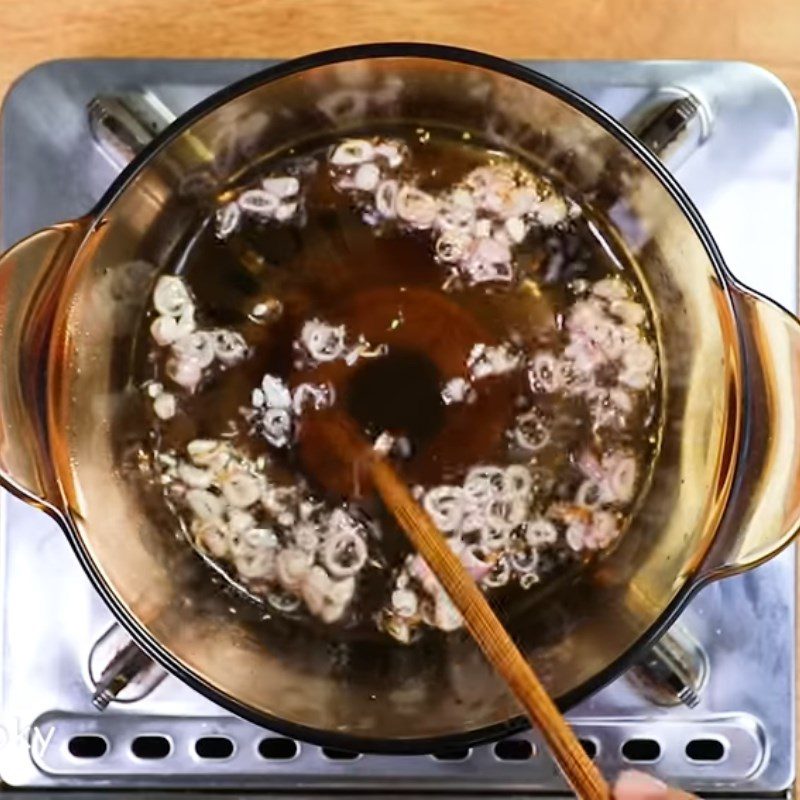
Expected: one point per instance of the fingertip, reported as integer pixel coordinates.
(632, 785)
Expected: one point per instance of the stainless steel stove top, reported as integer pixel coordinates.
(740, 166)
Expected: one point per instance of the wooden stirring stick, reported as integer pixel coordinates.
(335, 431)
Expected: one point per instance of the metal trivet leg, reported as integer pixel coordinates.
(674, 671)
(122, 125)
(120, 671)
(673, 123)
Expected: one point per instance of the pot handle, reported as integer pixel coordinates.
(31, 275)
(763, 514)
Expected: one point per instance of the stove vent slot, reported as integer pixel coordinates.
(590, 746)
(514, 750)
(705, 750)
(278, 748)
(334, 754)
(641, 750)
(151, 747)
(88, 746)
(218, 748)
(453, 754)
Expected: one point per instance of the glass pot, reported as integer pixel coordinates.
(724, 496)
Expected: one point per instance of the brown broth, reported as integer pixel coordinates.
(329, 260)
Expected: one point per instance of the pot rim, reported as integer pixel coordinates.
(283, 69)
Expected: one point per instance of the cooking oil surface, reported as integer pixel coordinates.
(474, 323)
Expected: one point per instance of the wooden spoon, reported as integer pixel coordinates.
(348, 451)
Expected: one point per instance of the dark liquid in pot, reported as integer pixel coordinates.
(527, 376)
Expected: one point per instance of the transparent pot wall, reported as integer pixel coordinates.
(379, 689)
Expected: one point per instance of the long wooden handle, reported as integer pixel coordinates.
(490, 634)
(481, 621)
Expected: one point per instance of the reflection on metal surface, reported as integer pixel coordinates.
(122, 124)
(742, 179)
(672, 122)
(674, 671)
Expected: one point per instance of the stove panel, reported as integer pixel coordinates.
(738, 739)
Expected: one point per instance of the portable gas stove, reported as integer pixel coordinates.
(711, 708)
